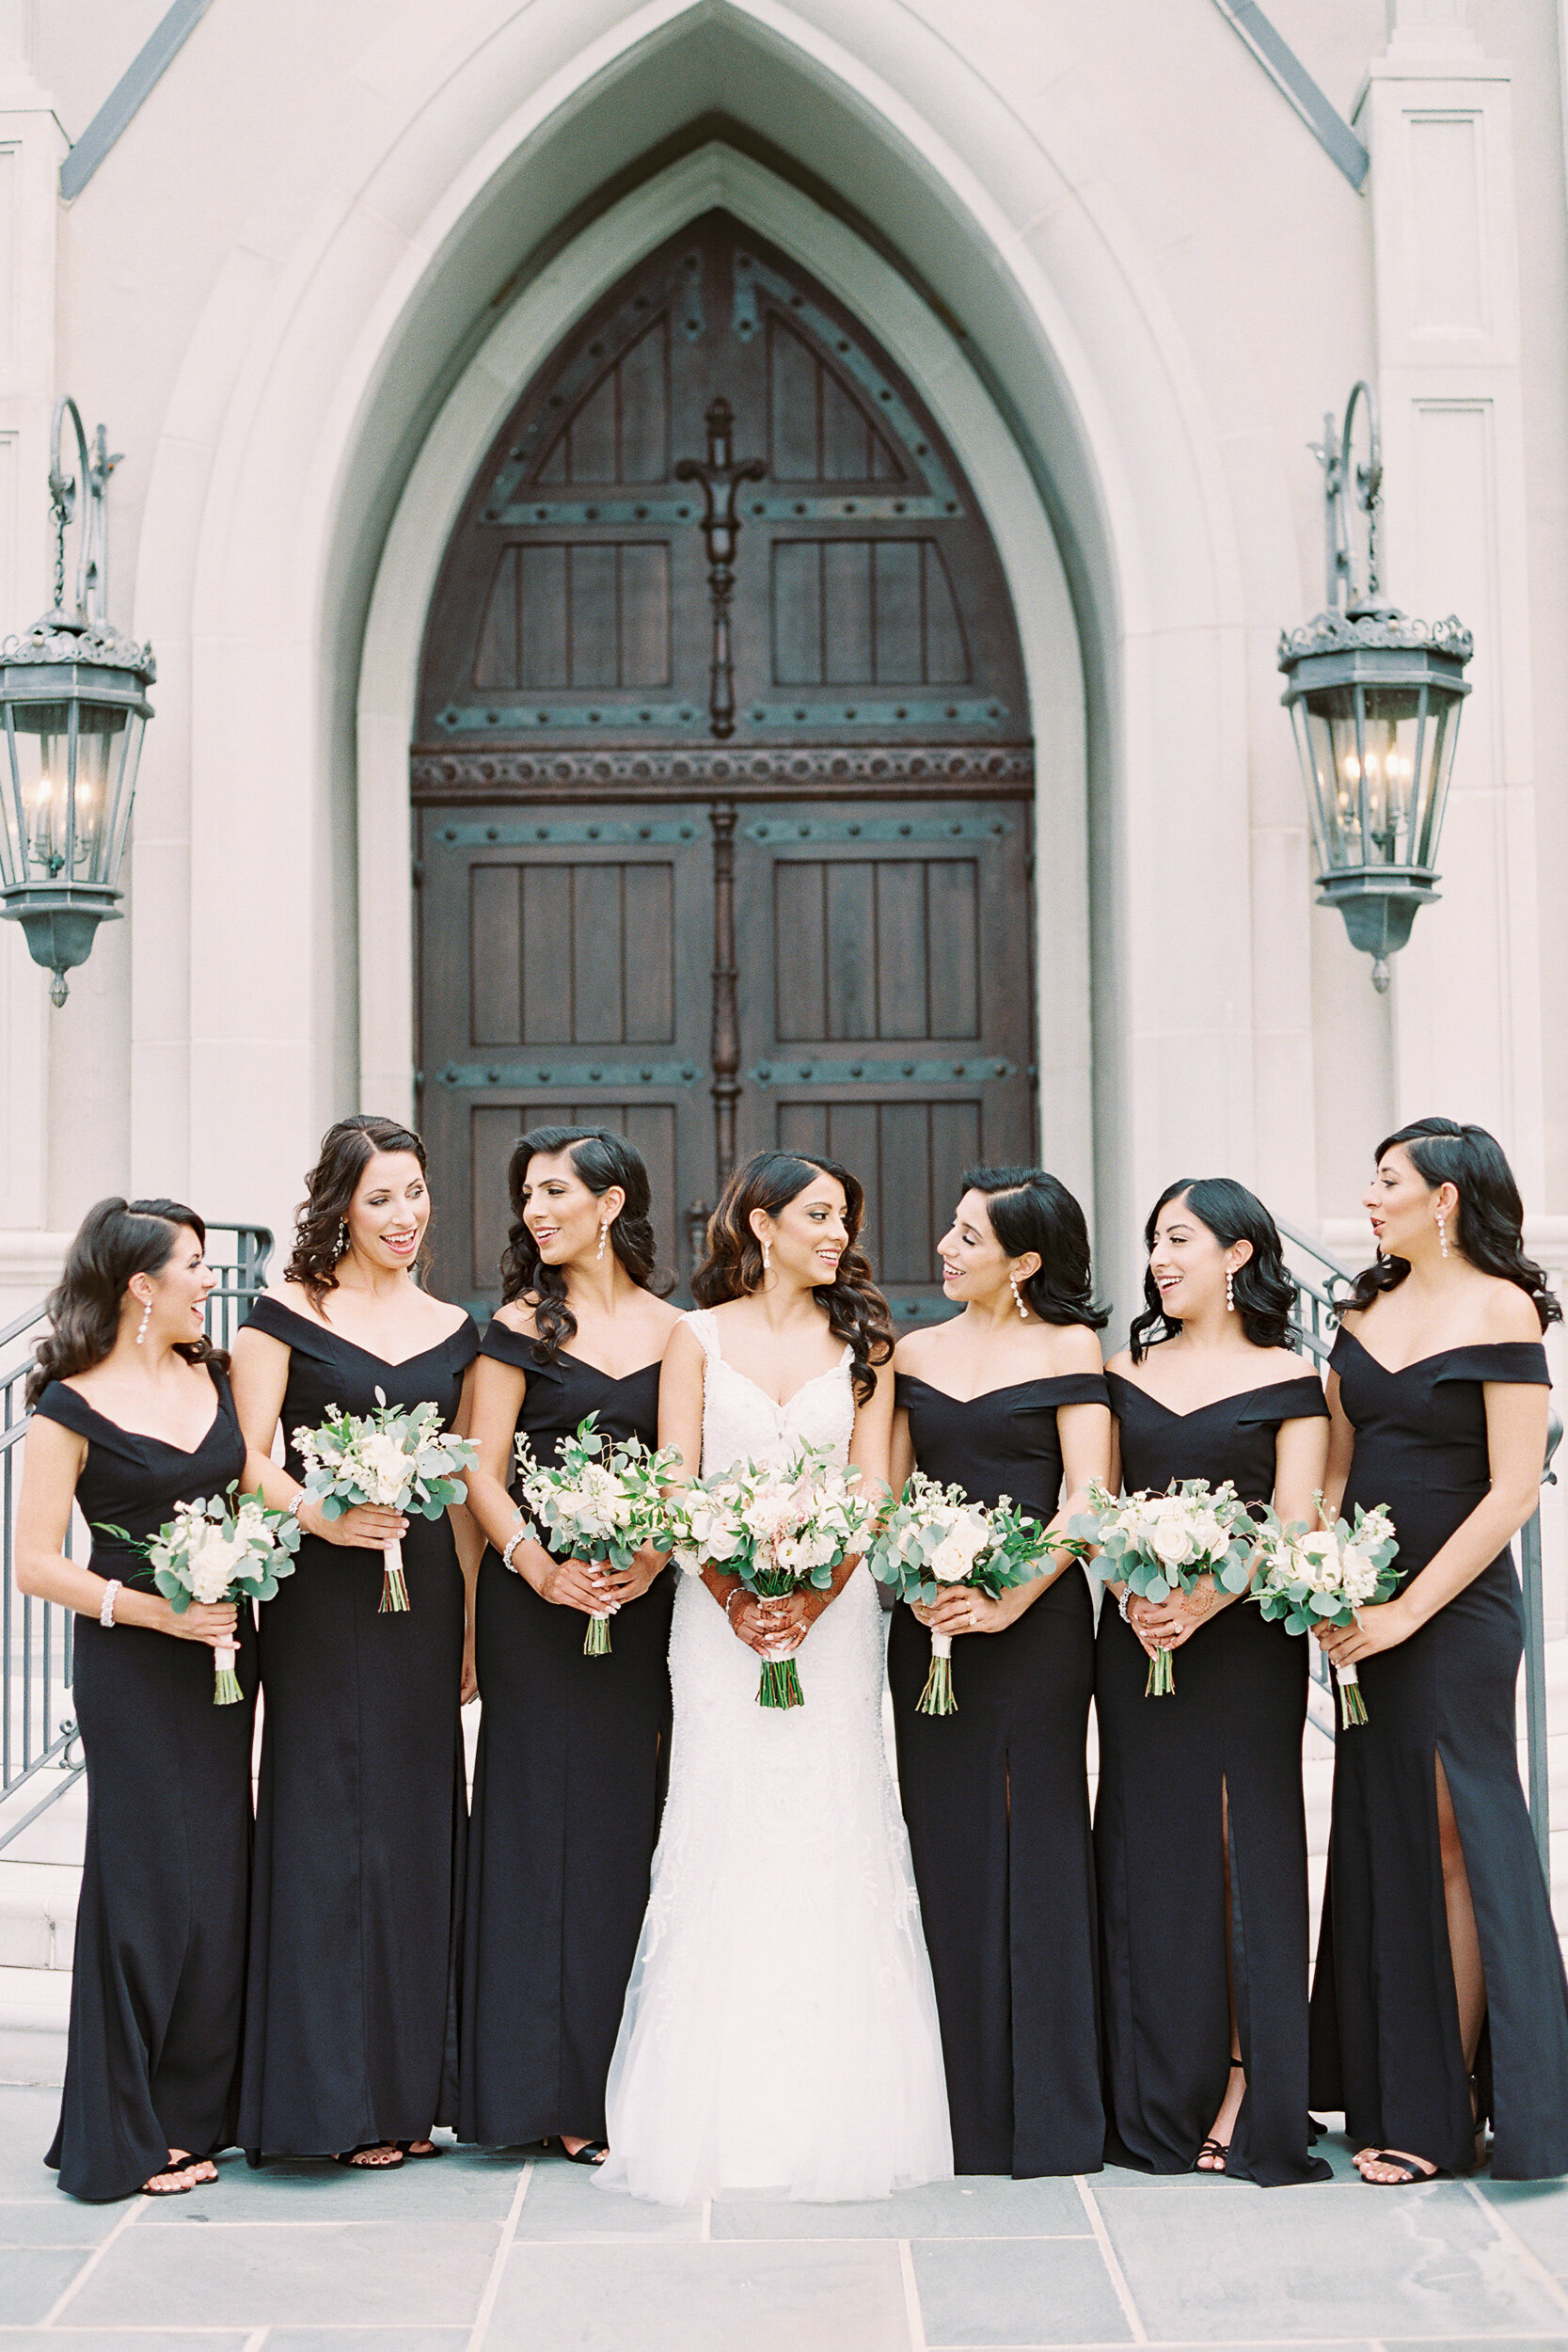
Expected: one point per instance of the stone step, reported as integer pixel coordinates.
(35, 2012)
(37, 1914)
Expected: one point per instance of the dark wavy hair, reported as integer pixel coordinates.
(346, 1148)
(1265, 1293)
(857, 1312)
(1490, 1228)
(602, 1159)
(115, 1240)
(1031, 1209)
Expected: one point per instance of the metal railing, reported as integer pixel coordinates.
(1314, 1322)
(37, 1730)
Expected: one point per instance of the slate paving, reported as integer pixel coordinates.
(511, 2251)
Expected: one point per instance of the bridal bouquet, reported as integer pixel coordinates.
(1163, 1544)
(212, 1552)
(402, 1460)
(601, 1501)
(776, 1526)
(934, 1538)
(1313, 1576)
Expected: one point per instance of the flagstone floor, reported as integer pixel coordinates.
(519, 2250)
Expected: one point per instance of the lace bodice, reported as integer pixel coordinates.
(742, 1423)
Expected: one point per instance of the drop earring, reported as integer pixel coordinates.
(766, 1255)
(1442, 1233)
(146, 1319)
(599, 1252)
(1022, 1309)
(343, 1237)
(1229, 1292)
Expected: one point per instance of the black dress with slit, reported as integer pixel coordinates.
(996, 1800)
(1385, 2036)
(1226, 1742)
(158, 1982)
(568, 1790)
(350, 2012)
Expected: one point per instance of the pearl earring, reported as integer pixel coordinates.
(599, 1252)
(146, 1319)
(1229, 1292)
(766, 1255)
(1022, 1309)
(1442, 1233)
(343, 1237)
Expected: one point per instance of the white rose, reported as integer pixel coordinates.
(955, 1556)
(382, 1468)
(213, 1558)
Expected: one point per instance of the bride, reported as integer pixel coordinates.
(780, 2030)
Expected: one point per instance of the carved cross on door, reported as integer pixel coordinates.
(721, 478)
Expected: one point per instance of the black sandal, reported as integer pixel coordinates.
(1414, 2176)
(593, 2152)
(419, 2155)
(185, 2163)
(370, 2148)
(1220, 2148)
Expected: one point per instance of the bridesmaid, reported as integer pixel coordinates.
(1201, 1832)
(132, 1414)
(1009, 1398)
(350, 2043)
(568, 1783)
(1439, 1998)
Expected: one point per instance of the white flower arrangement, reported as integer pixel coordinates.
(600, 1500)
(213, 1551)
(402, 1460)
(1160, 1544)
(1313, 1576)
(776, 1526)
(933, 1536)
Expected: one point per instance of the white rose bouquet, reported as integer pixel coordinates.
(602, 1501)
(217, 1551)
(934, 1537)
(1163, 1544)
(776, 1526)
(1313, 1576)
(400, 1460)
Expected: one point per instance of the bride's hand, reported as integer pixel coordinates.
(757, 1623)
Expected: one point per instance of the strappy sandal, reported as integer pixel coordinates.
(1414, 2176)
(349, 2160)
(1216, 2148)
(418, 2155)
(593, 2152)
(182, 2188)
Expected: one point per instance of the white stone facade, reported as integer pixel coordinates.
(301, 288)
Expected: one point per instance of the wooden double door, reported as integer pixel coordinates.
(722, 788)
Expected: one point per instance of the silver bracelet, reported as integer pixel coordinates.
(518, 1536)
(106, 1606)
(1124, 1603)
(297, 1505)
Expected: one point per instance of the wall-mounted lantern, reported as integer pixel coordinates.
(1375, 700)
(73, 705)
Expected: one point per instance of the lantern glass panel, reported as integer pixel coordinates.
(69, 770)
(1373, 751)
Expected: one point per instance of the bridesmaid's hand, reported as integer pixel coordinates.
(468, 1688)
(576, 1584)
(964, 1610)
(631, 1583)
(1381, 1625)
(368, 1527)
(212, 1622)
(1169, 1623)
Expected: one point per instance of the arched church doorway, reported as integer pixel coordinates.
(722, 775)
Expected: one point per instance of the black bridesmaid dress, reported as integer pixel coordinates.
(1385, 2041)
(357, 1903)
(996, 1800)
(152, 2062)
(568, 1790)
(1234, 1725)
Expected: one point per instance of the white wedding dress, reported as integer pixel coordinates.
(780, 2030)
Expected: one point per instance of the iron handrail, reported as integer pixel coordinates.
(37, 1729)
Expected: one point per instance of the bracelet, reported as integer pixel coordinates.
(297, 1505)
(1124, 1603)
(106, 1606)
(517, 1537)
(738, 1593)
